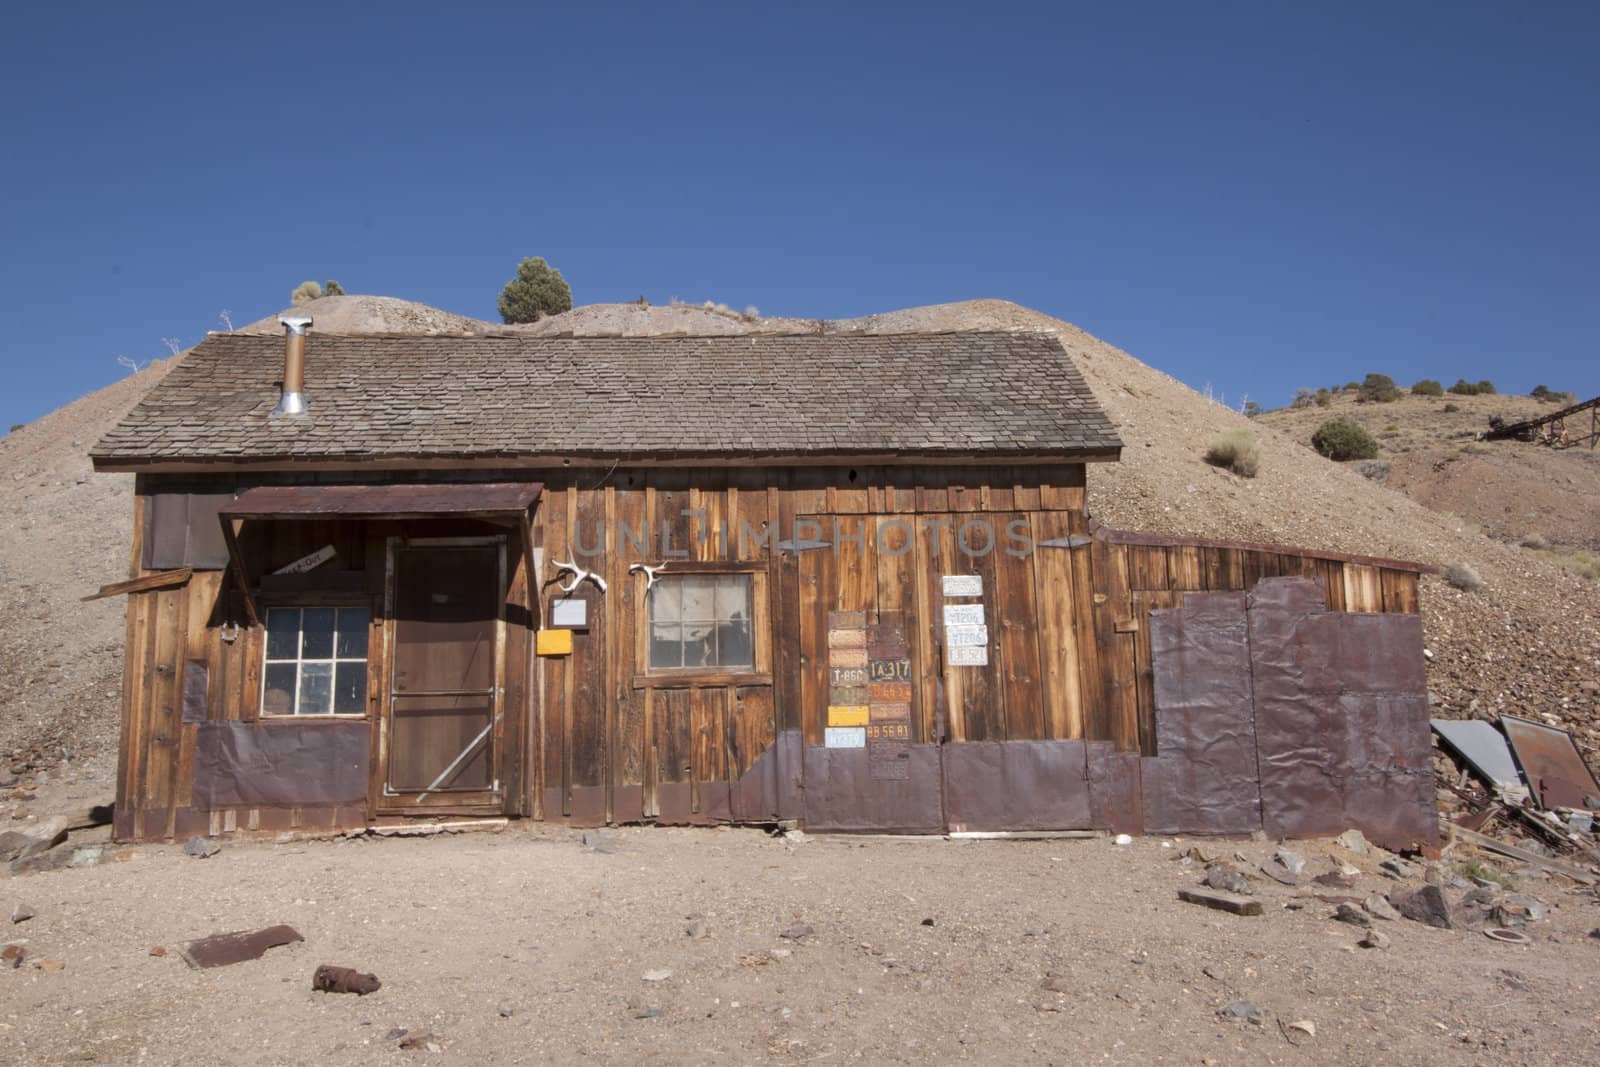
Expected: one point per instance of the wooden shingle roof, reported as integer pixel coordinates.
(647, 398)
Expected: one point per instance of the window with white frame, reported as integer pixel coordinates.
(316, 661)
(701, 621)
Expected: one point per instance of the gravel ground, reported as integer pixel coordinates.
(528, 946)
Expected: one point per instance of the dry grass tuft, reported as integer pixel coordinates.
(1237, 451)
(1463, 577)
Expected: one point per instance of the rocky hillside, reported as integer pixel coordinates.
(1527, 642)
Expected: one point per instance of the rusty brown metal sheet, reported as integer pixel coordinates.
(383, 501)
(285, 764)
(771, 786)
(841, 794)
(1341, 718)
(1202, 778)
(1551, 763)
(196, 680)
(1116, 802)
(219, 950)
(1016, 785)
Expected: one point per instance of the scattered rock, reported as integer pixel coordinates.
(1299, 1031)
(1377, 905)
(1056, 983)
(423, 1039)
(1426, 905)
(14, 955)
(1243, 1009)
(1398, 869)
(1337, 879)
(331, 979)
(51, 965)
(1292, 860)
(21, 913)
(661, 974)
(1352, 841)
(1534, 906)
(1509, 914)
(159, 950)
(506, 1013)
(797, 932)
(1123, 839)
(1221, 876)
(927, 922)
(1279, 873)
(1349, 913)
(33, 839)
(697, 930)
(85, 857)
(1374, 939)
(201, 848)
(780, 953)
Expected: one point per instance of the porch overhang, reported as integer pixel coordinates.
(507, 502)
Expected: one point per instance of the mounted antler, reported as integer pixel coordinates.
(649, 574)
(579, 575)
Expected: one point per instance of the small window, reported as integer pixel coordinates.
(316, 662)
(701, 621)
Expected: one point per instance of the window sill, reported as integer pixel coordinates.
(349, 717)
(701, 679)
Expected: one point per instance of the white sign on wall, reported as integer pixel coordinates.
(845, 737)
(957, 636)
(308, 563)
(962, 585)
(963, 615)
(967, 656)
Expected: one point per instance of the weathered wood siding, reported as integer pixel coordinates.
(595, 737)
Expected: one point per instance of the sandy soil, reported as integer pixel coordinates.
(527, 946)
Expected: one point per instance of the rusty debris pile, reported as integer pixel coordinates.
(1519, 789)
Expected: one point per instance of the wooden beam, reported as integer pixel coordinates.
(159, 580)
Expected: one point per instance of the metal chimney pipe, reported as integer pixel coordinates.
(293, 400)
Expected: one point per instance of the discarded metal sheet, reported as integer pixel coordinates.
(961, 585)
(1482, 747)
(965, 636)
(283, 764)
(1016, 785)
(847, 715)
(1555, 770)
(962, 615)
(841, 794)
(220, 950)
(845, 737)
(1201, 779)
(1341, 718)
(967, 656)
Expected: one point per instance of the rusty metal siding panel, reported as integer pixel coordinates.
(1202, 779)
(377, 501)
(281, 764)
(1341, 718)
(841, 793)
(1016, 785)
(1116, 801)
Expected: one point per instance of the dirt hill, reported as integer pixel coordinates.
(1528, 642)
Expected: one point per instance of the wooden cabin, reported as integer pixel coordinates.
(841, 580)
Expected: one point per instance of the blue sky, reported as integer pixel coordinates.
(1258, 196)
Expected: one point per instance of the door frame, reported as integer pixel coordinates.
(492, 801)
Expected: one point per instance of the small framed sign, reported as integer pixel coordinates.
(569, 613)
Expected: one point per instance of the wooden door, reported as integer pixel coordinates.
(443, 713)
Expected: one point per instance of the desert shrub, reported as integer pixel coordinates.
(1350, 387)
(1251, 409)
(1302, 398)
(1486, 388)
(1547, 395)
(1427, 387)
(1373, 470)
(1448, 408)
(537, 290)
(1536, 541)
(15, 426)
(1342, 438)
(1464, 388)
(1463, 577)
(1377, 389)
(1237, 451)
(305, 292)
(1323, 398)
(332, 288)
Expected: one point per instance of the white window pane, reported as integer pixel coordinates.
(733, 597)
(666, 600)
(316, 688)
(699, 597)
(283, 633)
(666, 645)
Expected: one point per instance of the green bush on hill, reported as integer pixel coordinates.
(1427, 387)
(1342, 439)
(1377, 389)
